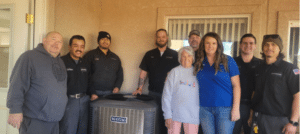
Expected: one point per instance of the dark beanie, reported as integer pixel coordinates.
(273, 38)
(103, 34)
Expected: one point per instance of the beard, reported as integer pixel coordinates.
(194, 44)
(161, 45)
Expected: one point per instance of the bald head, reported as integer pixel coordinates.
(53, 43)
(52, 32)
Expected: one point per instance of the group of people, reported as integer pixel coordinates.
(50, 94)
(226, 94)
(198, 85)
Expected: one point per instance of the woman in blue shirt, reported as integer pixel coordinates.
(219, 83)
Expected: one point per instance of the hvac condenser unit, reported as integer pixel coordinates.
(123, 114)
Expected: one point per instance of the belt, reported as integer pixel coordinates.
(77, 96)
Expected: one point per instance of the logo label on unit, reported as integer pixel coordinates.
(118, 119)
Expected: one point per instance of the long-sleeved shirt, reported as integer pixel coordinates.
(38, 86)
(106, 70)
(180, 100)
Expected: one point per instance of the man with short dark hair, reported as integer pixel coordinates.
(247, 63)
(75, 119)
(276, 98)
(37, 95)
(106, 68)
(156, 64)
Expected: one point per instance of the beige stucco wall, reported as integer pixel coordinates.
(74, 17)
(132, 23)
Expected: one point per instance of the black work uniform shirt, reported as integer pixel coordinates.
(158, 66)
(275, 85)
(247, 71)
(106, 70)
(78, 75)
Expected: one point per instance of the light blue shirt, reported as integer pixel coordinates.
(180, 99)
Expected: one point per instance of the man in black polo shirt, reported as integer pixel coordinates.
(106, 69)
(156, 64)
(276, 97)
(75, 119)
(247, 64)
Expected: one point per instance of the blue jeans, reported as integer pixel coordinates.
(216, 120)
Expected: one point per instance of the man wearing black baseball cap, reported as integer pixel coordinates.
(106, 69)
(276, 99)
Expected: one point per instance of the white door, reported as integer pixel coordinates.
(15, 38)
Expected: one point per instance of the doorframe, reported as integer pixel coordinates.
(39, 31)
(10, 57)
(40, 25)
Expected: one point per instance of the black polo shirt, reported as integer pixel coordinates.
(275, 86)
(78, 75)
(106, 70)
(158, 66)
(247, 71)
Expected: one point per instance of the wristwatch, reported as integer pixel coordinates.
(294, 123)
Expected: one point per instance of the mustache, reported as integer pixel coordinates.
(78, 51)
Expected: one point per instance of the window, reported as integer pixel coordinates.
(229, 27)
(294, 45)
(4, 46)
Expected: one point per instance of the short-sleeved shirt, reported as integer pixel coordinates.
(247, 71)
(78, 75)
(158, 66)
(216, 89)
(275, 85)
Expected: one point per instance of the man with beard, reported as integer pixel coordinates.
(157, 63)
(75, 119)
(276, 98)
(194, 41)
(106, 69)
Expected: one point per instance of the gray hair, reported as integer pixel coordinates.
(187, 49)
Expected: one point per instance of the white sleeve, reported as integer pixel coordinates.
(167, 95)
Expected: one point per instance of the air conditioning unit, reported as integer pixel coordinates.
(123, 114)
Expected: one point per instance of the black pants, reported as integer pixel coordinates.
(35, 126)
(162, 129)
(268, 124)
(75, 120)
(243, 121)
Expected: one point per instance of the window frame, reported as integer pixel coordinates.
(292, 23)
(248, 29)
